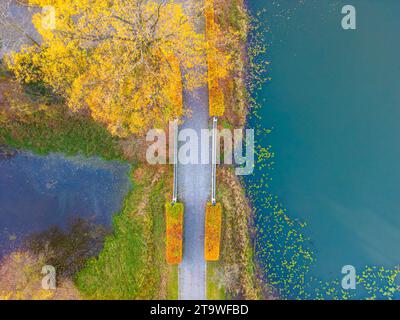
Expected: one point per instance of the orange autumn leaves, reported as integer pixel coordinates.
(174, 88)
(212, 232)
(174, 236)
(174, 221)
(218, 63)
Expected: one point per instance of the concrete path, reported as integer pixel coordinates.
(194, 181)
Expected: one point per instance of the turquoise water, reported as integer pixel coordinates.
(40, 192)
(333, 107)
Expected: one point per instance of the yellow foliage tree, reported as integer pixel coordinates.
(120, 59)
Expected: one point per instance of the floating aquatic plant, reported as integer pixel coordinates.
(284, 254)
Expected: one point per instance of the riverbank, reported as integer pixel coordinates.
(132, 263)
(235, 274)
(33, 121)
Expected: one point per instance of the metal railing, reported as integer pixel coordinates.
(175, 187)
(214, 161)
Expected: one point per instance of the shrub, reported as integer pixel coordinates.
(216, 101)
(212, 236)
(217, 63)
(174, 219)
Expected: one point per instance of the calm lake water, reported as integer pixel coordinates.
(37, 192)
(333, 105)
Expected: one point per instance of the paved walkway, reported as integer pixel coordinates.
(194, 182)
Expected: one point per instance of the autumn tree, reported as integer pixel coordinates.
(119, 59)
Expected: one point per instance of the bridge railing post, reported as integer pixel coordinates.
(175, 161)
(214, 161)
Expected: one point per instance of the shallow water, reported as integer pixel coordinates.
(37, 192)
(333, 105)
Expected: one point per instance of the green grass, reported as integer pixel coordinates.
(215, 291)
(120, 270)
(235, 15)
(3, 74)
(174, 210)
(3, 71)
(226, 125)
(132, 264)
(157, 210)
(173, 283)
(57, 130)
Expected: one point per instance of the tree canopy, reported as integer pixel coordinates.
(118, 59)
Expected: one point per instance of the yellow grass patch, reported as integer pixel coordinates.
(212, 237)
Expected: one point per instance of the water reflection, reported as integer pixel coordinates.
(52, 196)
(68, 249)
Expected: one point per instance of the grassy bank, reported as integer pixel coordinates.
(236, 241)
(215, 281)
(56, 130)
(234, 275)
(29, 121)
(132, 263)
(232, 17)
